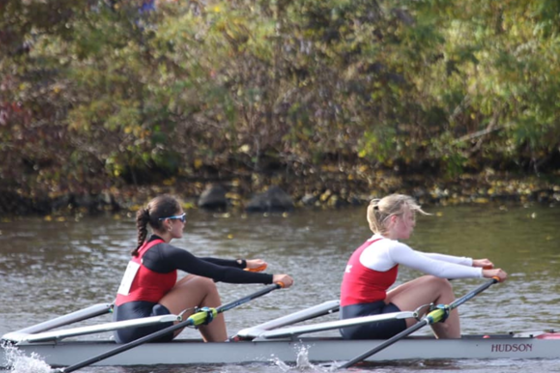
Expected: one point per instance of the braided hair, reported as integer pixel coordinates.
(159, 207)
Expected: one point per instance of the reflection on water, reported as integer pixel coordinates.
(48, 268)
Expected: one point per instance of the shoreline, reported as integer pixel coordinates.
(337, 190)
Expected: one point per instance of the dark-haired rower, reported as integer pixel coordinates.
(149, 286)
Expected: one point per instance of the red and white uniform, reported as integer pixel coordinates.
(147, 285)
(373, 268)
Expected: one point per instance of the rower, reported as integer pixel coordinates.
(373, 268)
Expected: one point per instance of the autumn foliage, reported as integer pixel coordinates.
(97, 94)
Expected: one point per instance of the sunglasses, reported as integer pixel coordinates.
(182, 217)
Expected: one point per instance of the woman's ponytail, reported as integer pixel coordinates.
(380, 210)
(142, 221)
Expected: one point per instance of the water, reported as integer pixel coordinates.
(49, 267)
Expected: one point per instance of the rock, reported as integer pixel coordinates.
(273, 200)
(309, 200)
(213, 198)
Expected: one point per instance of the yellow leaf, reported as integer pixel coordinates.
(169, 182)
(325, 196)
(188, 206)
(234, 196)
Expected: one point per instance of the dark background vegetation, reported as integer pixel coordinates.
(447, 99)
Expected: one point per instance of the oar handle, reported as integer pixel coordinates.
(258, 269)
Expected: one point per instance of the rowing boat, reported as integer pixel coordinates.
(276, 339)
(317, 350)
(328, 349)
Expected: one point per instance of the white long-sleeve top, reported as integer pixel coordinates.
(386, 253)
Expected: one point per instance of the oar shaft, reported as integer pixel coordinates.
(129, 345)
(457, 302)
(192, 320)
(248, 298)
(387, 343)
(439, 314)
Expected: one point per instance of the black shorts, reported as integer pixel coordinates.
(375, 330)
(139, 309)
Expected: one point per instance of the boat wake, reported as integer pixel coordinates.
(20, 363)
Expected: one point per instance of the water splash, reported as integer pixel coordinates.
(18, 362)
(302, 359)
(302, 362)
(280, 364)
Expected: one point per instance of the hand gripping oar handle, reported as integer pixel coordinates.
(258, 269)
(434, 316)
(195, 319)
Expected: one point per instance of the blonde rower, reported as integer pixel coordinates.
(373, 269)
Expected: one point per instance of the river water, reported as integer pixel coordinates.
(50, 266)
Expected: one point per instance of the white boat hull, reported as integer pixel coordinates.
(185, 352)
(276, 339)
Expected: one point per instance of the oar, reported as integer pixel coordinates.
(433, 317)
(195, 319)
